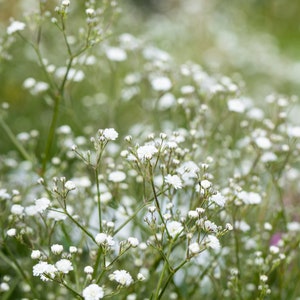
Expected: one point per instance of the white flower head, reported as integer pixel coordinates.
(205, 184)
(263, 142)
(116, 54)
(110, 134)
(174, 228)
(36, 254)
(161, 83)
(11, 232)
(57, 249)
(134, 242)
(174, 180)
(117, 176)
(43, 268)
(64, 266)
(42, 204)
(236, 105)
(212, 242)
(194, 248)
(17, 209)
(122, 277)
(146, 152)
(70, 185)
(102, 239)
(15, 26)
(88, 270)
(93, 292)
(218, 199)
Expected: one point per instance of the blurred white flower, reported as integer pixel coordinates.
(117, 176)
(174, 228)
(122, 277)
(174, 180)
(15, 26)
(161, 83)
(116, 54)
(93, 292)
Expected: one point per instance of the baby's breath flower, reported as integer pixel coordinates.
(73, 249)
(122, 277)
(93, 292)
(11, 232)
(161, 84)
(57, 249)
(35, 254)
(140, 277)
(174, 180)
(110, 134)
(17, 209)
(193, 214)
(4, 287)
(205, 184)
(64, 266)
(212, 242)
(146, 152)
(88, 270)
(42, 204)
(218, 199)
(134, 242)
(43, 268)
(70, 185)
(117, 176)
(194, 248)
(263, 142)
(15, 26)
(104, 239)
(174, 228)
(116, 54)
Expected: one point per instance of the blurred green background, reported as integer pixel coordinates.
(255, 41)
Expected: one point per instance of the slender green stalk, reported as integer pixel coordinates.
(98, 199)
(13, 139)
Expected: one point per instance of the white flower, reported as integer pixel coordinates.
(194, 248)
(88, 270)
(57, 249)
(35, 254)
(140, 277)
(268, 157)
(57, 215)
(73, 249)
(15, 26)
(293, 132)
(174, 180)
(206, 184)
(218, 199)
(70, 185)
(122, 277)
(134, 242)
(193, 214)
(117, 176)
(236, 105)
(146, 152)
(263, 142)
(104, 239)
(174, 228)
(212, 242)
(4, 287)
(42, 204)
(43, 268)
(161, 83)
(166, 101)
(17, 209)
(110, 134)
(249, 198)
(210, 226)
(116, 54)
(11, 232)
(242, 225)
(64, 266)
(93, 292)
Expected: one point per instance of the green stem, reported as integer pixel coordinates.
(13, 139)
(98, 199)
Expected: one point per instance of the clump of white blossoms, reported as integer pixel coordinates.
(93, 292)
(117, 176)
(15, 26)
(44, 270)
(122, 277)
(110, 134)
(161, 84)
(174, 180)
(146, 152)
(57, 249)
(102, 239)
(64, 266)
(174, 228)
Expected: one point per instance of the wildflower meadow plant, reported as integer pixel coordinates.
(185, 191)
